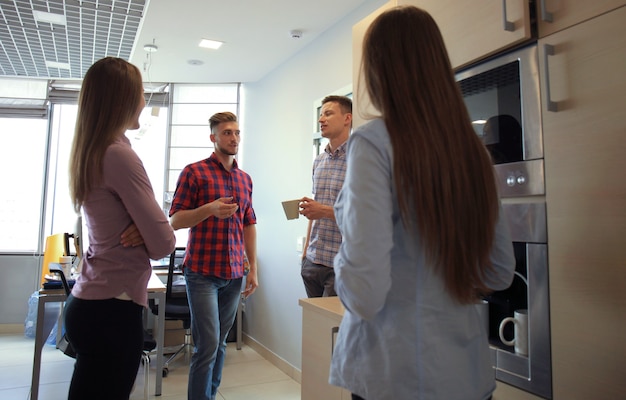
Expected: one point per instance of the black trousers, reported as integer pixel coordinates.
(108, 338)
(319, 280)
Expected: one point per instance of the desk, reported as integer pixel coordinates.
(47, 316)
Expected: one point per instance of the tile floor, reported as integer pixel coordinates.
(246, 375)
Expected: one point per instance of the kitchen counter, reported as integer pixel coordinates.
(329, 306)
(321, 317)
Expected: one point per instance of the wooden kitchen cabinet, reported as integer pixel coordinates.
(556, 15)
(320, 323)
(472, 30)
(475, 29)
(361, 105)
(585, 163)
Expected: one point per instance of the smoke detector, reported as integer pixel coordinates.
(295, 34)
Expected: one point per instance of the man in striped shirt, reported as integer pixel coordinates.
(214, 199)
(329, 169)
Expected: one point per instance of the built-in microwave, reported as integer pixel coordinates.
(503, 99)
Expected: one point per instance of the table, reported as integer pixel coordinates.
(47, 316)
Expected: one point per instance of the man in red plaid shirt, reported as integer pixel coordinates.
(214, 199)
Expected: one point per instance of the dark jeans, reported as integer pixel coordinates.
(108, 338)
(319, 280)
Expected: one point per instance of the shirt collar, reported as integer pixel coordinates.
(213, 158)
(339, 151)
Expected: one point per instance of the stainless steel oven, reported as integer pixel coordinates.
(529, 291)
(503, 99)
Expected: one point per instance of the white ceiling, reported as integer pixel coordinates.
(255, 32)
(256, 36)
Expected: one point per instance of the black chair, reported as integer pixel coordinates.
(176, 306)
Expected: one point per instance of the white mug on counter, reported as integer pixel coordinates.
(520, 339)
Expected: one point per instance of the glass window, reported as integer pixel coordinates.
(190, 136)
(192, 106)
(210, 93)
(197, 114)
(22, 163)
(149, 142)
(35, 153)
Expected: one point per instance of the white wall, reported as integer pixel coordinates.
(277, 130)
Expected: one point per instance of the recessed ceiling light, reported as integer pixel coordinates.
(210, 44)
(56, 64)
(42, 16)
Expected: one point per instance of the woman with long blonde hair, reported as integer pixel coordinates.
(103, 314)
(422, 237)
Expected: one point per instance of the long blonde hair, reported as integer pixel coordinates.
(442, 172)
(110, 95)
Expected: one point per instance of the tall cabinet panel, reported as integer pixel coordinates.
(555, 15)
(361, 106)
(478, 28)
(583, 95)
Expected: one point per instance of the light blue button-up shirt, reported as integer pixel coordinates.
(402, 335)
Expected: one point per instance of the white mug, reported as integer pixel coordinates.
(520, 341)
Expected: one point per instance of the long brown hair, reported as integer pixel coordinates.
(108, 101)
(442, 172)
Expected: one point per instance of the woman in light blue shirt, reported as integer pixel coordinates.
(422, 237)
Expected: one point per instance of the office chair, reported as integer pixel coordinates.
(57, 245)
(149, 344)
(176, 307)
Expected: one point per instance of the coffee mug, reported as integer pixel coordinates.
(292, 208)
(520, 339)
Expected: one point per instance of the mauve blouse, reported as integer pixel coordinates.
(125, 196)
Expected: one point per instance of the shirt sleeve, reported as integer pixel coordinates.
(502, 257)
(125, 175)
(249, 216)
(364, 212)
(186, 191)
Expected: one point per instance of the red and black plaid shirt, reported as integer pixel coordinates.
(215, 246)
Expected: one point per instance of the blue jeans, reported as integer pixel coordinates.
(213, 303)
